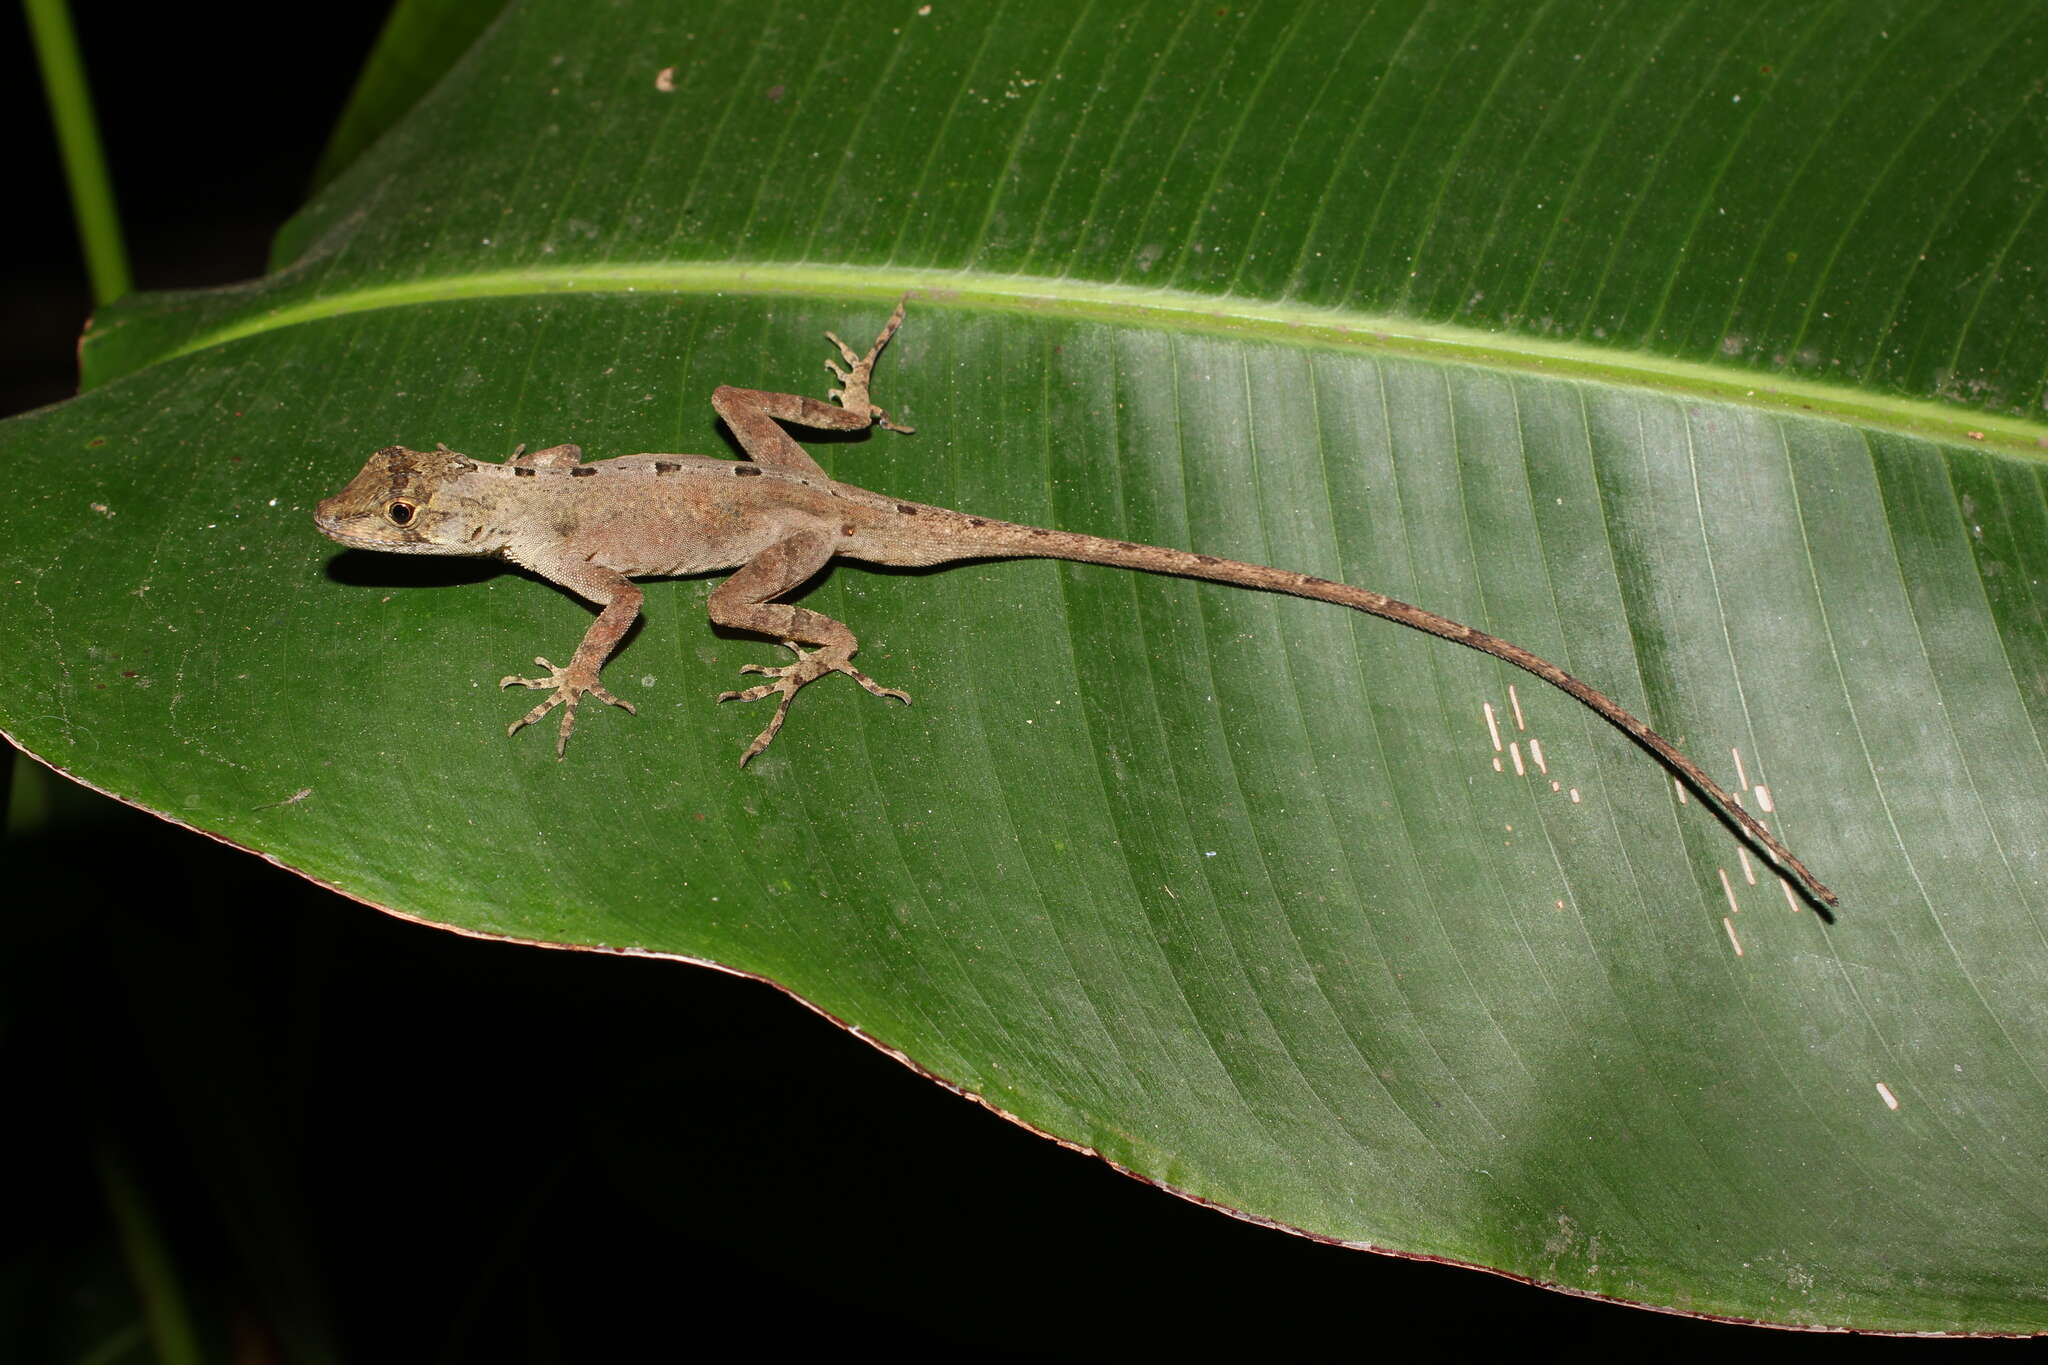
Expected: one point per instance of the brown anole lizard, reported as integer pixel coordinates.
(777, 518)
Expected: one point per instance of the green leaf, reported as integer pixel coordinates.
(421, 40)
(1647, 338)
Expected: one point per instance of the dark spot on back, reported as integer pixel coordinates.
(1125, 545)
(666, 466)
(1040, 531)
(976, 521)
(906, 509)
(524, 471)
(580, 471)
(745, 470)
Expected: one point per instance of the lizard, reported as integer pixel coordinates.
(776, 519)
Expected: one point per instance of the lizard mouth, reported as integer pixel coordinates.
(377, 536)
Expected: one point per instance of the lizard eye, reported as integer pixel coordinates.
(400, 513)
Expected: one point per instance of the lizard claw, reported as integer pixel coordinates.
(569, 685)
(789, 678)
(853, 357)
(852, 393)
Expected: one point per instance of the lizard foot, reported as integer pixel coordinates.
(808, 668)
(569, 685)
(853, 391)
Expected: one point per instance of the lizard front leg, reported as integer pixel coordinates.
(745, 602)
(621, 602)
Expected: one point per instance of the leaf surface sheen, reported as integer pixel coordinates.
(1514, 313)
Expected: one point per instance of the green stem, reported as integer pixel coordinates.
(85, 164)
(149, 1262)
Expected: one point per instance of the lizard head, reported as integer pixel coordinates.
(408, 501)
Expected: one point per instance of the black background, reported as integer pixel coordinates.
(359, 1139)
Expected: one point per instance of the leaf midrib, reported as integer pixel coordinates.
(1188, 313)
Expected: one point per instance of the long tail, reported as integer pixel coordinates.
(1039, 543)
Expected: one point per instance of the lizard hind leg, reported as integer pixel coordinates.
(746, 602)
(852, 392)
(789, 678)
